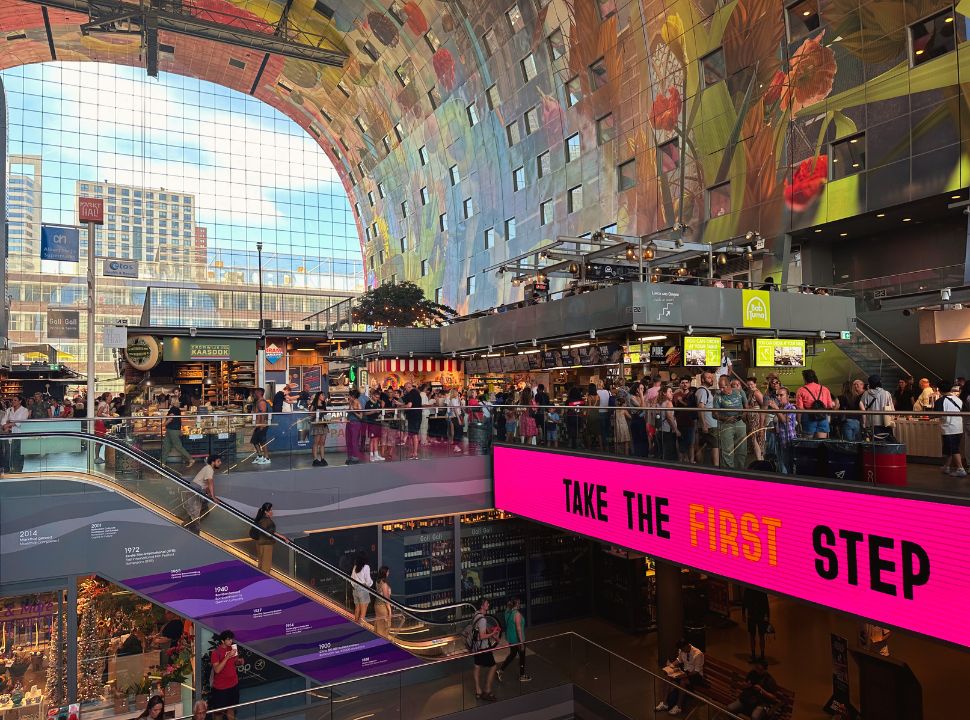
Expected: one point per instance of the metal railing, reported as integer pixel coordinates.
(447, 686)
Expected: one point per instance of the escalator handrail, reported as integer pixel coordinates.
(187, 486)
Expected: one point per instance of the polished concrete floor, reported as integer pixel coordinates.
(800, 658)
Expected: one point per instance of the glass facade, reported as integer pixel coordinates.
(192, 176)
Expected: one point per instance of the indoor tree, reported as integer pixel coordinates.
(400, 304)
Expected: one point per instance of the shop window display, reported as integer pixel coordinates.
(32, 648)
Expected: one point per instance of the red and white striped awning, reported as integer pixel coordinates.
(415, 365)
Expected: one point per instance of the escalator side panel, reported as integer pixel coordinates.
(100, 532)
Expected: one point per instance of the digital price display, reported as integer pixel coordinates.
(779, 352)
(702, 351)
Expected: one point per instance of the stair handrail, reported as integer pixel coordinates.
(187, 486)
(863, 327)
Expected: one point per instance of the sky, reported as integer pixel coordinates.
(256, 175)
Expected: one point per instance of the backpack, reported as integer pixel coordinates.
(817, 404)
(254, 532)
(470, 634)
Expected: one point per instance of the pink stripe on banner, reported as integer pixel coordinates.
(894, 560)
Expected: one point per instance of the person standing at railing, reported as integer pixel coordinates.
(786, 431)
(708, 436)
(172, 440)
(103, 411)
(528, 423)
(732, 431)
(667, 431)
(373, 410)
(40, 409)
(877, 400)
(318, 419)
(903, 396)
(755, 421)
(16, 414)
(850, 426)
(815, 397)
(927, 396)
(354, 429)
(413, 405)
(260, 427)
(951, 427)
(456, 418)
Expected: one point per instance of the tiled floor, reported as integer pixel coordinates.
(799, 656)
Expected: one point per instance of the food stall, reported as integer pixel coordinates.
(439, 373)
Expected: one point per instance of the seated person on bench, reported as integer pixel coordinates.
(757, 693)
(688, 672)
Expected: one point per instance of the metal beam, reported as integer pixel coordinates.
(193, 26)
(50, 34)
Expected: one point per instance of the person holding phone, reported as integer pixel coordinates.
(224, 695)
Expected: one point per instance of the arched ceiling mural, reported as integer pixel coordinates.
(469, 132)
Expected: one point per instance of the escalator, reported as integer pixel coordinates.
(300, 615)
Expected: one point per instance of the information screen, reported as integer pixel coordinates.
(897, 561)
(779, 352)
(702, 351)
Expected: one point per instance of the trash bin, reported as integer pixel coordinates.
(842, 460)
(479, 436)
(808, 457)
(884, 463)
(696, 635)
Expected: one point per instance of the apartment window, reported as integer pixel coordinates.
(719, 200)
(556, 43)
(470, 285)
(801, 19)
(438, 296)
(626, 175)
(423, 155)
(425, 196)
(488, 40)
(574, 91)
(575, 198)
(443, 222)
(932, 37)
(510, 229)
(373, 228)
(545, 212)
(531, 120)
(468, 208)
(370, 198)
(713, 67)
(403, 244)
(357, 209)
(360, 169)
(512, 133)
(398, 12)
(434, 96)
(424, 268)
(394, 279)
(433, 42)
(453, 174)
(573, 147)
(405, 209)
(343, 88)
(489, 235)
(372, 264)
(514, 16)
(403, 73)
(848, 156)
(472, 112)
(543, 164)
(367, 234)
(370, 50)
(518, 179)
(528, 64)
(361, 124)
(598, 76)
(606, 8)
(380, 190)
(353, 178)
(492, 97)
(380, 257)
(605, 129)
(399, 132)
(668, 155)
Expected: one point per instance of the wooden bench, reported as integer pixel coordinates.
(723, 684)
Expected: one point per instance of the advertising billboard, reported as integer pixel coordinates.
(702, 351)
(779, 352)
(895, 560)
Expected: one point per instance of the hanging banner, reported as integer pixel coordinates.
(120, 268)
(313, 376)
(59, 243)
(63, 325)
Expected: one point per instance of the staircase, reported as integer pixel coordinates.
(866, 351)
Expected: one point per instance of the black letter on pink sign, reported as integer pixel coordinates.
(566, 483)
(913, 551)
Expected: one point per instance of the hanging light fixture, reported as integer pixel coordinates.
(655, 277)
(748, 254)
(631, 252)
(682, 270)
(516, 281)
(722, 258)
(574, 268)
(650, 251)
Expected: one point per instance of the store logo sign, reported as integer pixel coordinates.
(756, 308)
(121, 268)
(274, 353)
(59, 243)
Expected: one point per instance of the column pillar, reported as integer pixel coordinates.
(670, 610)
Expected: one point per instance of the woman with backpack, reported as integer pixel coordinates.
(515, 634)
(815, 397)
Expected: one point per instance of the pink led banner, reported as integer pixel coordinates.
(898, 561)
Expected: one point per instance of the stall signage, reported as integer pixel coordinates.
(702, 351)
(63, 324)
(90, 210)
(209, 351)
(274, 353)
(756, 308)
(59, 243)
(779, 352)
(896, 560)
(312, 377)
(143, 352)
